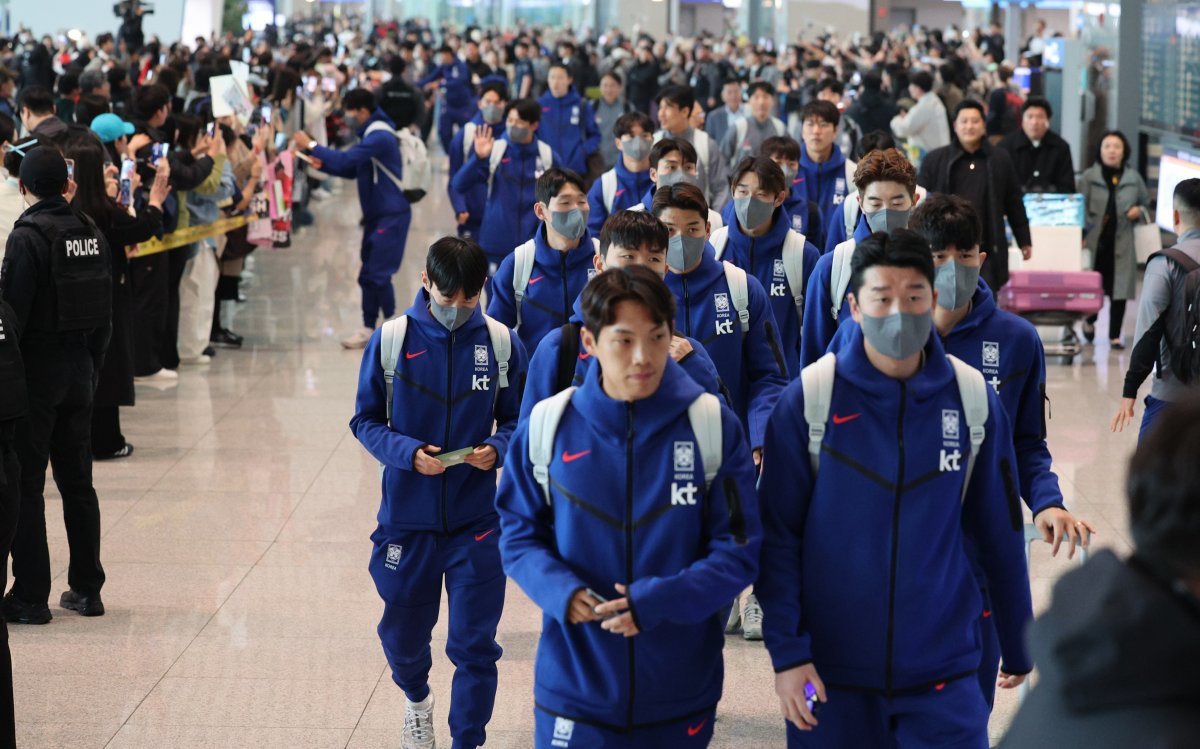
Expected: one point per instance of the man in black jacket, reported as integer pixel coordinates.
(873, 110)
(1040, 155)
(14, 404)
(1119, 648)
(984, 176)
(153, 110)
(57, 279)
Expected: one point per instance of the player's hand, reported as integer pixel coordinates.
(302, 140)
(462, 217)
(427, 465)
(620, 618)
(483, 458)
(484, 141)
(793, 702)
(1010, 681)
(582, 608)
(1058, 525)
(680, 347)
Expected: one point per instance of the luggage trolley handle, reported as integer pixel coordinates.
(1033, 535)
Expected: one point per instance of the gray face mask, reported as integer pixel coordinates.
(789, 173)
(955, 284)
(451, 318)
(678, 177)
(520, 134)
(752, 213)
(492, 113)
(636, 148)
(898, 335)
(683, 252)
(571, 224)
(887, 219)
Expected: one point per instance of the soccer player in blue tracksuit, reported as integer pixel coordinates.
(751, 361)
(1008, 351)
(666, 548)
(673, 162)
(628, 238)
(802, 212)
(458, 93)
(630, 178)
(866, 583)
(835, 230)
(508, 214)
(568, 122)
(755, 242)
(562, 261)
(386, 213)
(826, 170)
(468, 206)
(437, 523)
(887, 188)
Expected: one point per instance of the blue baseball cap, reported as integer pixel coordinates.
(110, 127)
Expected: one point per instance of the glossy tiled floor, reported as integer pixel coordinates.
(240, 611)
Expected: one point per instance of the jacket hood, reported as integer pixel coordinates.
(609, 417)
(1118, 634)
(568, 99)
(780, 226)
(419, 312)
(704, 275)
(377, 116)
(983, 306)
(837, 160)
(547, 255)
(929, 381)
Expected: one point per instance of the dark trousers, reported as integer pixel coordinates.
(1116, 318)
(10, 502)
(694, 732)
(58, 431)
(382, 252)
(148, 282)
(106, 430)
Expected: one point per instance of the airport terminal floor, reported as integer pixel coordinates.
(235, 540)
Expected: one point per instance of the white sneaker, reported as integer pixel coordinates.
(201, 359)
(162, 375)
(359, 339)
(320, 194)
(752, 616)
(418, 725)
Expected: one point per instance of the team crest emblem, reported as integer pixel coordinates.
(991, 354)
(722, 302)
(394, 552)
(685, 457)
(949, 424)
(481, 355)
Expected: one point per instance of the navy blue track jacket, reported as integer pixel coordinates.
(378, 195)
(629, 506)
(819, 325)
(826, 182)
(631, 186)
(444, 394)
(474, 199)
(569, 126)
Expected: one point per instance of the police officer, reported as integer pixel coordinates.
(56, 277)
(13, 404)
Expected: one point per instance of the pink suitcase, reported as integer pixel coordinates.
(1052, 294)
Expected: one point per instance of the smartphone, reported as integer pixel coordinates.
(265, 112)
(310, 84)
(810, 698)
(211, 130)
(125, 196)
(304, 157)
(70, 169)
(157, 151)
(329, 85)
(596, 596)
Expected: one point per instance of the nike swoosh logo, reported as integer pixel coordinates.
(481, 536)
(843, 419)
(569, 458)
(532, 281)
(693, 730)
(619, 193)
(505, 161)
(409, 355)
(584, 356)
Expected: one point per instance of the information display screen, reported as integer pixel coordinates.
(1171, 67)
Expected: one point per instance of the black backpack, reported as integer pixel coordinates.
(1183, 318)
(80, 266)
(14, 398)
(568, 356)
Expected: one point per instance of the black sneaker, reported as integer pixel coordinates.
(17, 611)
(124, 452)
(225, 338)
(209, 351)
(85, 605)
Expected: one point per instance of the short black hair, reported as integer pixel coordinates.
(37, 99)
(150, 99)
(561, 66)
(1164, 490)
(872, 81)
(89, 107)
(760, 86)
(681, 96)
(922, 80)
(552, 181)
(528, 110)
(359, 98)
(68, 82)
(665, 146)
(731, 82)
(876, 140)
(902, 248)
(946, 220)
(1038, 102)
(1124, 144)
(495, 87)
(626, 122)
(822, 110)
(770, 175)
(634, 283)
(615, 76)
(1187, 196)
(783, 146)
(635, 229)
(680, 196)
(831, 84)
(966, 104)
(454, 263)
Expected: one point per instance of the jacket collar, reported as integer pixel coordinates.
(854, 366)
(772, 240)
(547, 255)
(376, 116)
(419, 312)
(703, 275)
(983, 306)
(610, 417)
(837, 160)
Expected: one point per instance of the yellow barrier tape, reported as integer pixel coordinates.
(182, 237)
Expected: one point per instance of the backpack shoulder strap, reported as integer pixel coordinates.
(705, 417)
(608, 188)
(501, 345)
(468, 133)
(378, 125)
(739, 129)
(522, 270)
(719, 239)
(701, 144)
(391, 343)
(817, 381)
(973, 390)
(497, 155)
(568, 356)
(839, 279)
(793, 268)
(1179, 257)
(780, 128)
(850, 213)
(545, 154)
(739, 293)
(543, 423)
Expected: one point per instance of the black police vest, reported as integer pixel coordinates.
(13, 396)
(79, 264)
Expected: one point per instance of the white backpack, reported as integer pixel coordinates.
(743, 125)
(391, 342)
(523, 258)
(704, 415)
(416, 174)
(839, 275)
(608, 189)
(851, 210)
(793, 262)
(545, 159)
(817, 381)
(739, 293)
